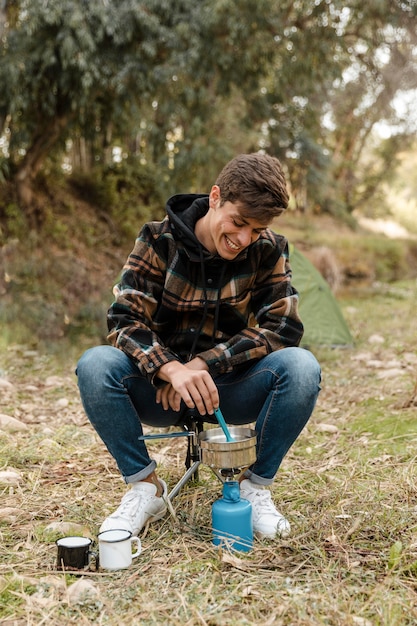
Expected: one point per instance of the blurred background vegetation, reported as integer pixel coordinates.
(108, 108)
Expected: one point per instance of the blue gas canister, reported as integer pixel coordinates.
(232, 519)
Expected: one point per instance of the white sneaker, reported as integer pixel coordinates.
(138, 505)
(266, 520)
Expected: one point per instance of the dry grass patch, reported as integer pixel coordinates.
(348, 487)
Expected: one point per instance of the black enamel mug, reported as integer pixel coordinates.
(74, 553)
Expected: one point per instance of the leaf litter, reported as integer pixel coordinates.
(348, 487)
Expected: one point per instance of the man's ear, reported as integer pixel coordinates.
(215, 197)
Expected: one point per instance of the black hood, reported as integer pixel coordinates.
(184, 211)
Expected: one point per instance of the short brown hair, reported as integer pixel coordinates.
(257, 182)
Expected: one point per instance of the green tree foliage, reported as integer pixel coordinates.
(183, 86)
(338, 74)
(382, 42)
(76, 64)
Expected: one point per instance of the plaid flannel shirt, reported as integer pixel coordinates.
(241, 310)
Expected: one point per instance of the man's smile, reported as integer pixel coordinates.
(231, 245)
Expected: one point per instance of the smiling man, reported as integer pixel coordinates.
(205, 315)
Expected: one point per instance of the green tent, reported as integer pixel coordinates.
(323, 321)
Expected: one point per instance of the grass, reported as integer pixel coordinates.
(348, 487)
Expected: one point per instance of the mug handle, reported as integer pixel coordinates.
(95, 556)
(138, 546)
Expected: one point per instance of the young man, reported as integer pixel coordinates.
(205, 316)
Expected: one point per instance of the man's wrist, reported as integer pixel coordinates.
(165, 371)
(201, 363)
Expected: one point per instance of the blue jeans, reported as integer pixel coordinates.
(278, 393)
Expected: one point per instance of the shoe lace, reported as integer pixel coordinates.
(130, 499)
(263, 503)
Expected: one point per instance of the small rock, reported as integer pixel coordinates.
(333, 539)
(327, 428)
(375, 363)
(62, 403)
(10, 477)
(361, 621)
(47, 430)
(31, 388)
(383, 364)
(376, 339)
(11, 424)
(50, 443)
(53, 381)
(66, 529)
(10, 514)
(6, 384)
(361, 356)
(391, 373)
(27, 406)
(82, 591)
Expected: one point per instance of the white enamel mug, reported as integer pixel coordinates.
(115, 549)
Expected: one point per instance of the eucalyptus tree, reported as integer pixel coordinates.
(72, 63)
(338, 75)
(161, 69)
(216, 74)
(185, 85)
(305, 79)
(382, 40)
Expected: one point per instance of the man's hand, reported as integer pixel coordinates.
(190, 382)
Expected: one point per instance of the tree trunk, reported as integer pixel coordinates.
(3, 17)
(43, 141)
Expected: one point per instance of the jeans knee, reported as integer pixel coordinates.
(299, 365)
(93, 365)
(85, 362)
(310, 366)
(309, 371)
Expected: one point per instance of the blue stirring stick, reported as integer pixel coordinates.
(223, 424)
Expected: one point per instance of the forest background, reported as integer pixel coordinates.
(107, 109)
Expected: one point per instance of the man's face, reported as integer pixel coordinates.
(230, 231)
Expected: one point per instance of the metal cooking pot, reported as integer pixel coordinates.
(221, 454)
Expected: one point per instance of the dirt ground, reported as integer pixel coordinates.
(348, 487)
